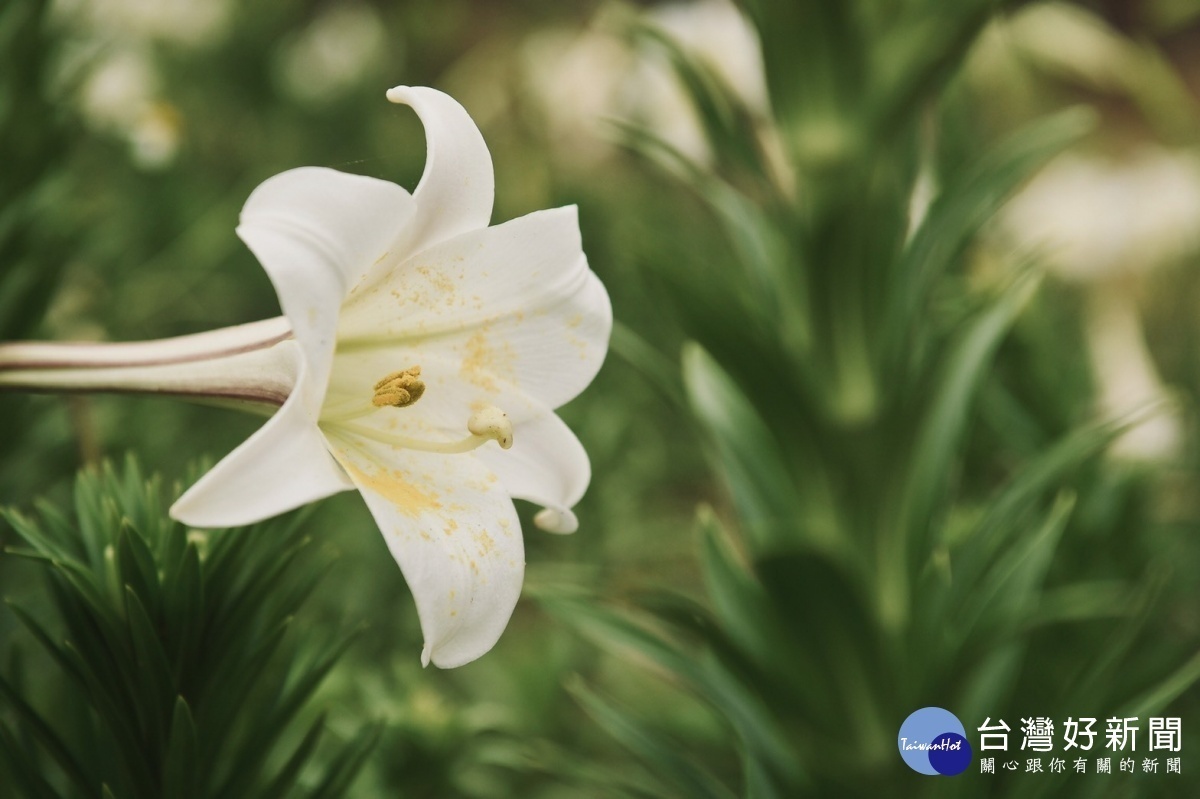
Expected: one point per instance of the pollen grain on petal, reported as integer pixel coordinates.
(392, 486)
(484, 360)
(485, 542)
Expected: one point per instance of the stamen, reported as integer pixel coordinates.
(487, 424)
(399, 389)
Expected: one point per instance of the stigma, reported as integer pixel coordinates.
(492, 424)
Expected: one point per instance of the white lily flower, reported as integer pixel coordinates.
(1102, 225)
(426, 354)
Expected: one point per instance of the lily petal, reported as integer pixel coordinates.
(284, 465)
(453, 530)
(316, 232)
(457, 189)
(546, 465)
(515, 303)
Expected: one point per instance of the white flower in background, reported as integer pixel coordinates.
(575, 78)
(717, 33)
(582, 79)
(112, 46)
(192, 23)
(121, 98)
(1101, 224)
(419, 360)
(1093, 219)
(336, 50)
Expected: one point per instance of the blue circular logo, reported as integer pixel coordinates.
(933, 741)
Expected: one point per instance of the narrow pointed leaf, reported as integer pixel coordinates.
(180, 774)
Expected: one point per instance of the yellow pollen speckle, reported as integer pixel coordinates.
(406, 497)
(478, 364)
(399, 389)
(438, 280)
(486, 544)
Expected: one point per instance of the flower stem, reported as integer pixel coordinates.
(252, 363)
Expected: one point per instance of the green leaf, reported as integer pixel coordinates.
(137, 569)
(345, 766)
(815, 59)
(679, 775)
(152, 683)
(1007, 593)
(916, 56)
(45, 735)
(775, 511)
(1084, 601)
(181, 778)
(1167, 691)
(182, 663)
(1003, 518)
(741, 603)
(746, 712)
(773, 296)
(961, 209)
(907, 527)
(33, 784)
(659, 370)
(288, 702)
(60, 656)
(728, 124)
(284, 782)
(184, 608)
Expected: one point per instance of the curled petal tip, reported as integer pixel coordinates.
(398, 94)
(426, 654)
(174, 515)
(556, 520)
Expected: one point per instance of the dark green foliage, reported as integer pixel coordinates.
(167, 666)
(905, 500)
(838, 374)
(34, 143)
(35, 241)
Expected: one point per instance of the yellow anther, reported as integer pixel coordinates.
(399, 389)
(491, 422)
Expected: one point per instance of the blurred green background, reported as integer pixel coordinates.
(811, 528)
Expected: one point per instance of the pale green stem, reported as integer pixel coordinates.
(254, 363)
(1125, 373)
